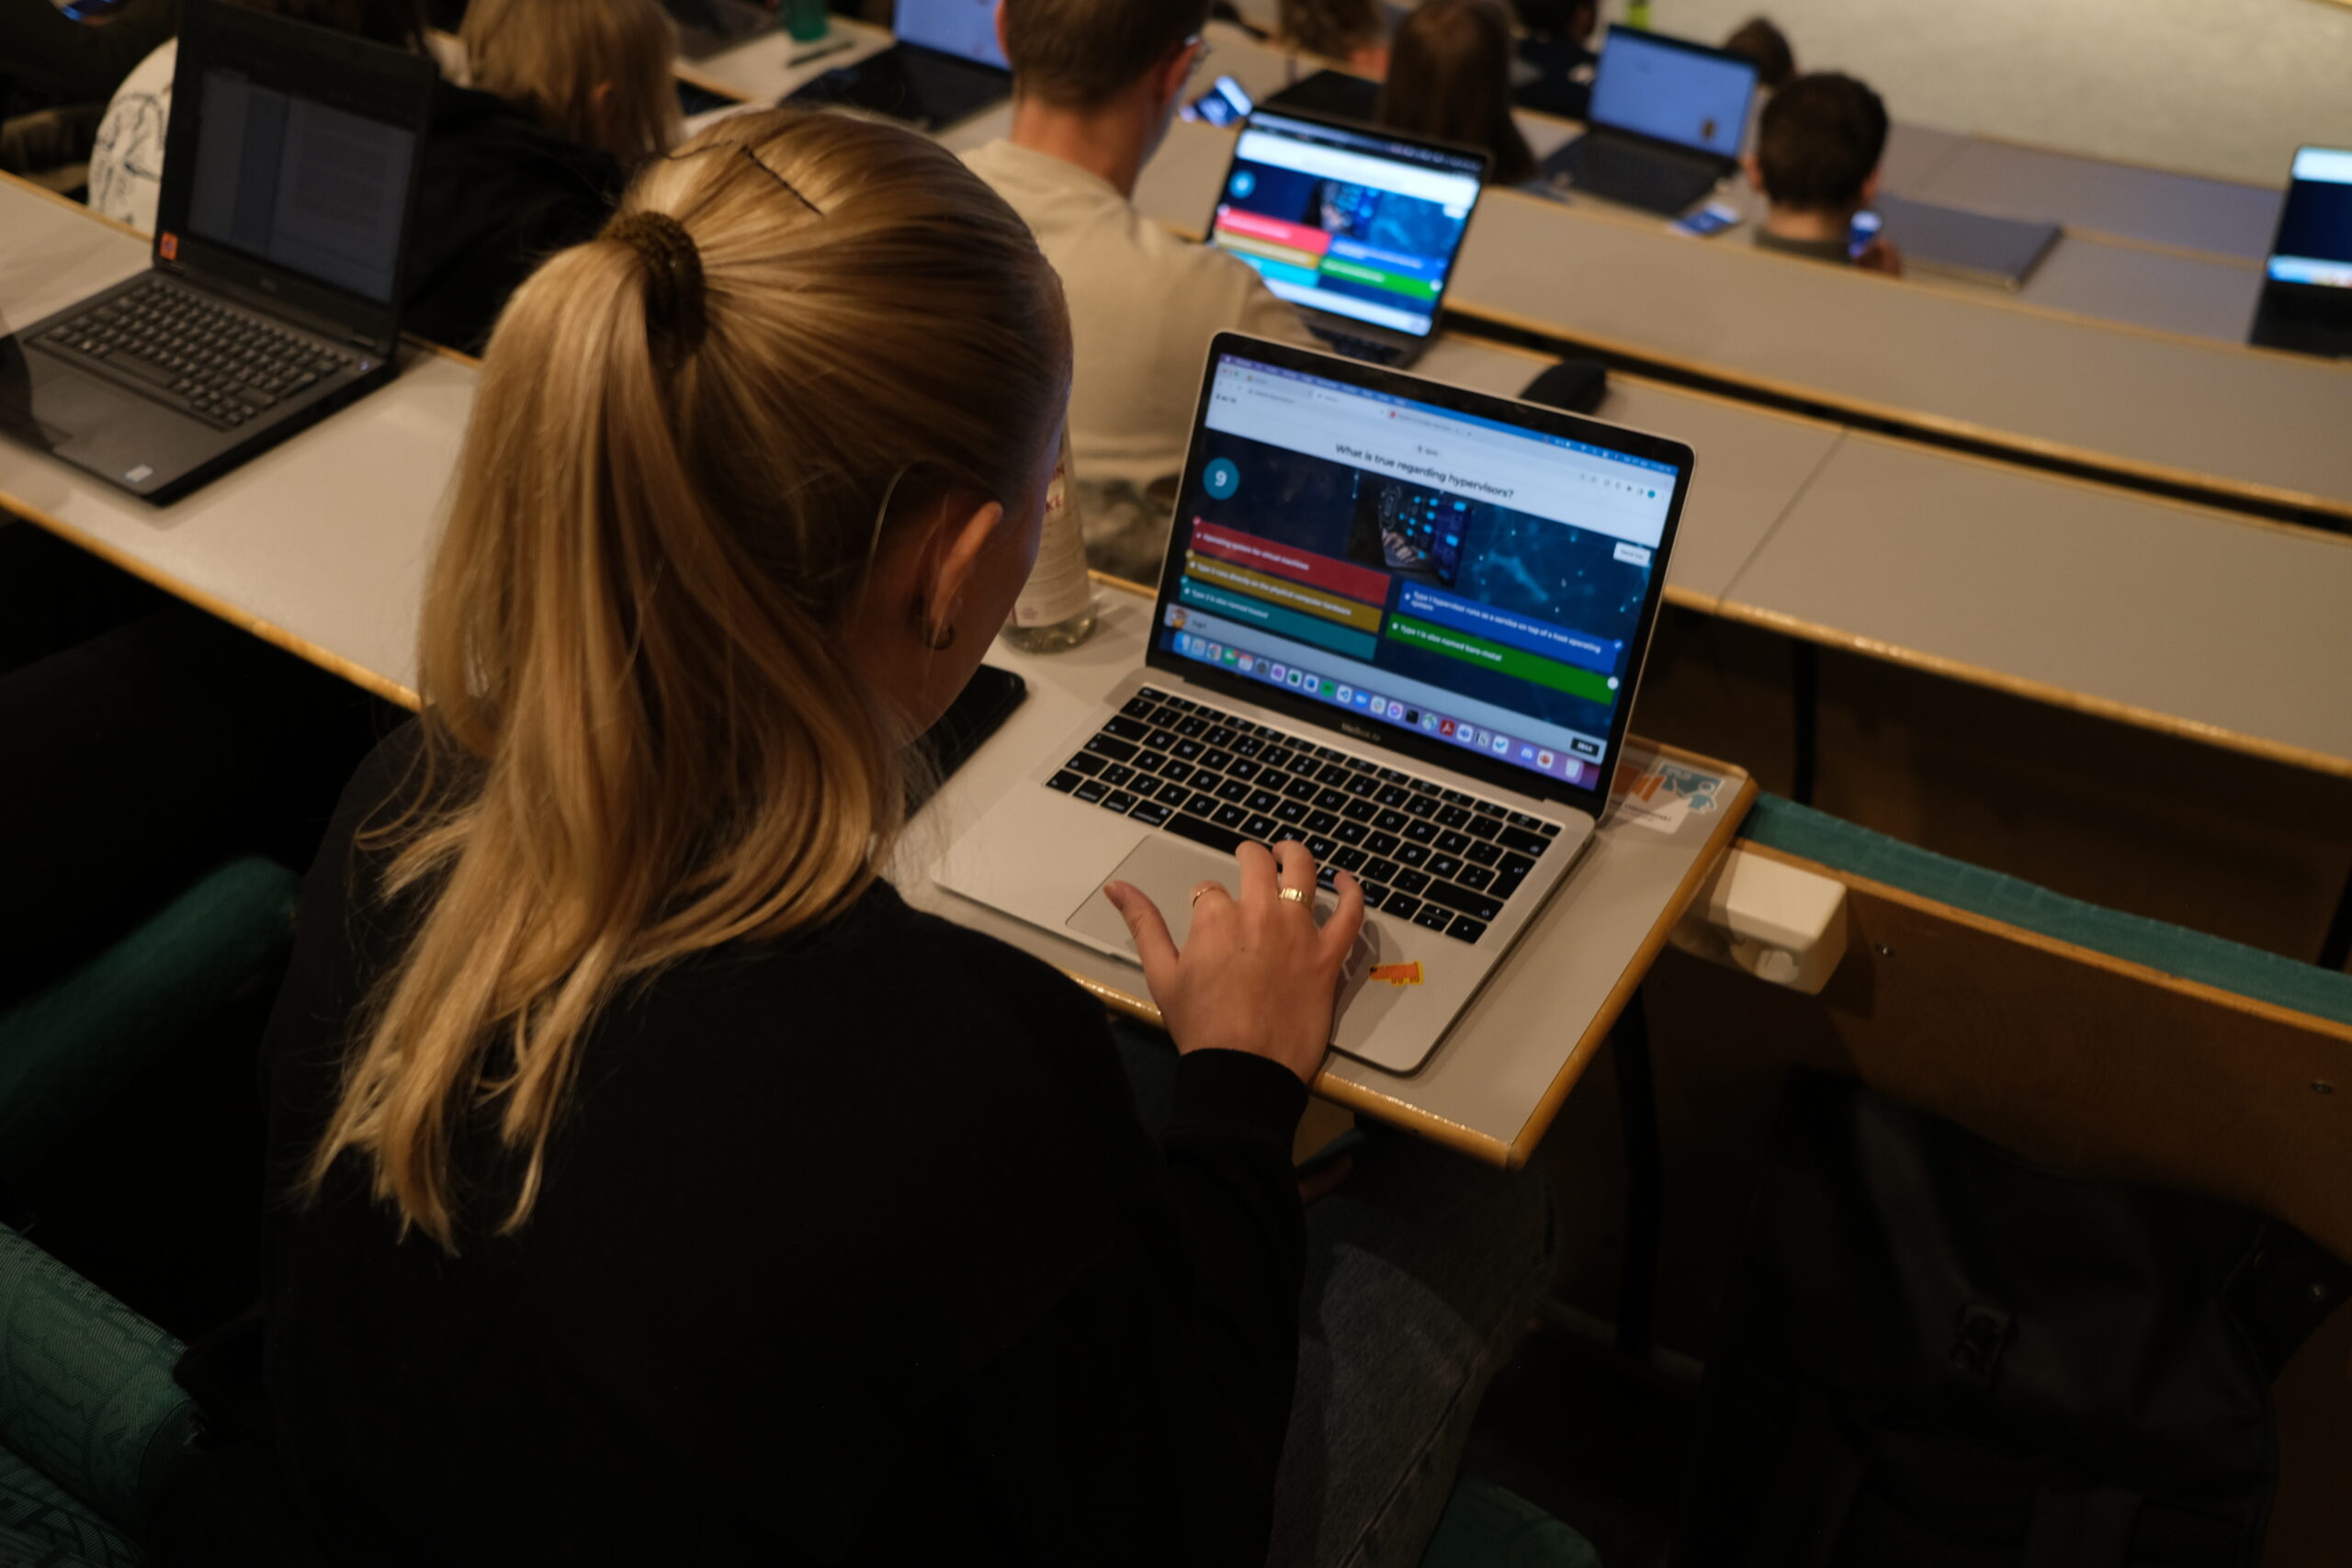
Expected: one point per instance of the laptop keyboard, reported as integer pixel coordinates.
(193, 354)
(1435, 857)
(1637, 176)
(1372, 351)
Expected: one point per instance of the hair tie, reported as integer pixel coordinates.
(675, 305)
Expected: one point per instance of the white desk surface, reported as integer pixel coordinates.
(2180, 618)
(2154, 207)
(1494, 1084)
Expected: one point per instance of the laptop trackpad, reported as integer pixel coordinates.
(1167, 870)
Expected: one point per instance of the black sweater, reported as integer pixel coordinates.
(46, 52)
(852, 1249)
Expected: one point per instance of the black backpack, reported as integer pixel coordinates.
(1932, 1354)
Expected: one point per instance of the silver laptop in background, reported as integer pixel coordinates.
(1398, 621)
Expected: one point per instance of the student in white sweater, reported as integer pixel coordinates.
(1095, 84)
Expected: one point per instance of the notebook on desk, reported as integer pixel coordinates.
(2306, 305)
(945, 66)
(273, 295)
(1971, 247)
(1399, 621)
(1667, 117)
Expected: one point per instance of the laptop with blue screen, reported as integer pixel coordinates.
(2307, 281)
(1400, 622)
(1358, 228)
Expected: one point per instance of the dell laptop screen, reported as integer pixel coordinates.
(2314, 243)
(1357, 223)
(1693, 97)
(1481, 584)
(966, 28)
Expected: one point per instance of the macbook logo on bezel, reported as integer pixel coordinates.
(1360, 731)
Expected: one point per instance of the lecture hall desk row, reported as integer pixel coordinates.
(1944, 361)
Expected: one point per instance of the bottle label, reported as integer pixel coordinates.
(1058, 588)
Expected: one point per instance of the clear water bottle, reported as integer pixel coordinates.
(1055, 610)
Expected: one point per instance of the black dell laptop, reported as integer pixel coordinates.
(2307, 283)
(1667, 119)
(945, 66)
(273, 297)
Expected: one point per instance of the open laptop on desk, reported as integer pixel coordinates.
(1357, 227)
(945, 66)
(2307, 284)
(1396, 620)
(274, 293)
(1668, 119)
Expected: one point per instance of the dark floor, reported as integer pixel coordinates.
(1594, 1441)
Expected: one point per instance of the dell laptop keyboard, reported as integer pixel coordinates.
(193, 354)
(1438, 857)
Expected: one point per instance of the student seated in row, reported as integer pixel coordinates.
(566, 97)
(1815, 161)
(656, 1185)
(1556, 53)
(1351, 34)
(1449, 77)
(1095, 84)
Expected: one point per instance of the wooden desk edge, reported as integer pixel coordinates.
(2236, 1001)
(2041, 692)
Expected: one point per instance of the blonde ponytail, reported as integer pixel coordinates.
(644, 736)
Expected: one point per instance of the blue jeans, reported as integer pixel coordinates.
(1421, 1272)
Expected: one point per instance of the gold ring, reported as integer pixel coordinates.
(1205, 888)
(1297, 896)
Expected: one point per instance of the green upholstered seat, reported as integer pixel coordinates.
(2191, 956)
(92, 1427)
(66, 1050)
(1487, 1527)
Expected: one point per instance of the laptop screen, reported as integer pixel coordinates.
(1477, 580)
(1675, 91)
(2314, 243)
(966, 28)
(1361, 223)
(304, 184)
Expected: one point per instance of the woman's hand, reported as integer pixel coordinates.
(1257, 974)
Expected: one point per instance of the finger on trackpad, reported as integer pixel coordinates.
(1165, 871)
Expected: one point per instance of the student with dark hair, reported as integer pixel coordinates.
(1558, 48)
(1759, 40)
(1094, 85)
(1350, 33)
(1449, 77)
(1815, 161)
(505, 183)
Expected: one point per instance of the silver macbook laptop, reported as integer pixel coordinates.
(1398, 621)
(1357, 227)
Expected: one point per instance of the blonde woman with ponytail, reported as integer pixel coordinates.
(653, 1185)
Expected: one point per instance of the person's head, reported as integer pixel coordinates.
(399, 23)
(1131, 57)
(595, 72)
(1570, 19)
(1817, 145)
(1343, 30)
(750, 481)
(1449, 77)
(1776, 63)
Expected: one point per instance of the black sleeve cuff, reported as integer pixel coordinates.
(1235, 1092)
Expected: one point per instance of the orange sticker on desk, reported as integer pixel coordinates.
(1398, 974)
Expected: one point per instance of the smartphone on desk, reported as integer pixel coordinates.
(1226, 103)
(1712, 219)
(979, 711)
